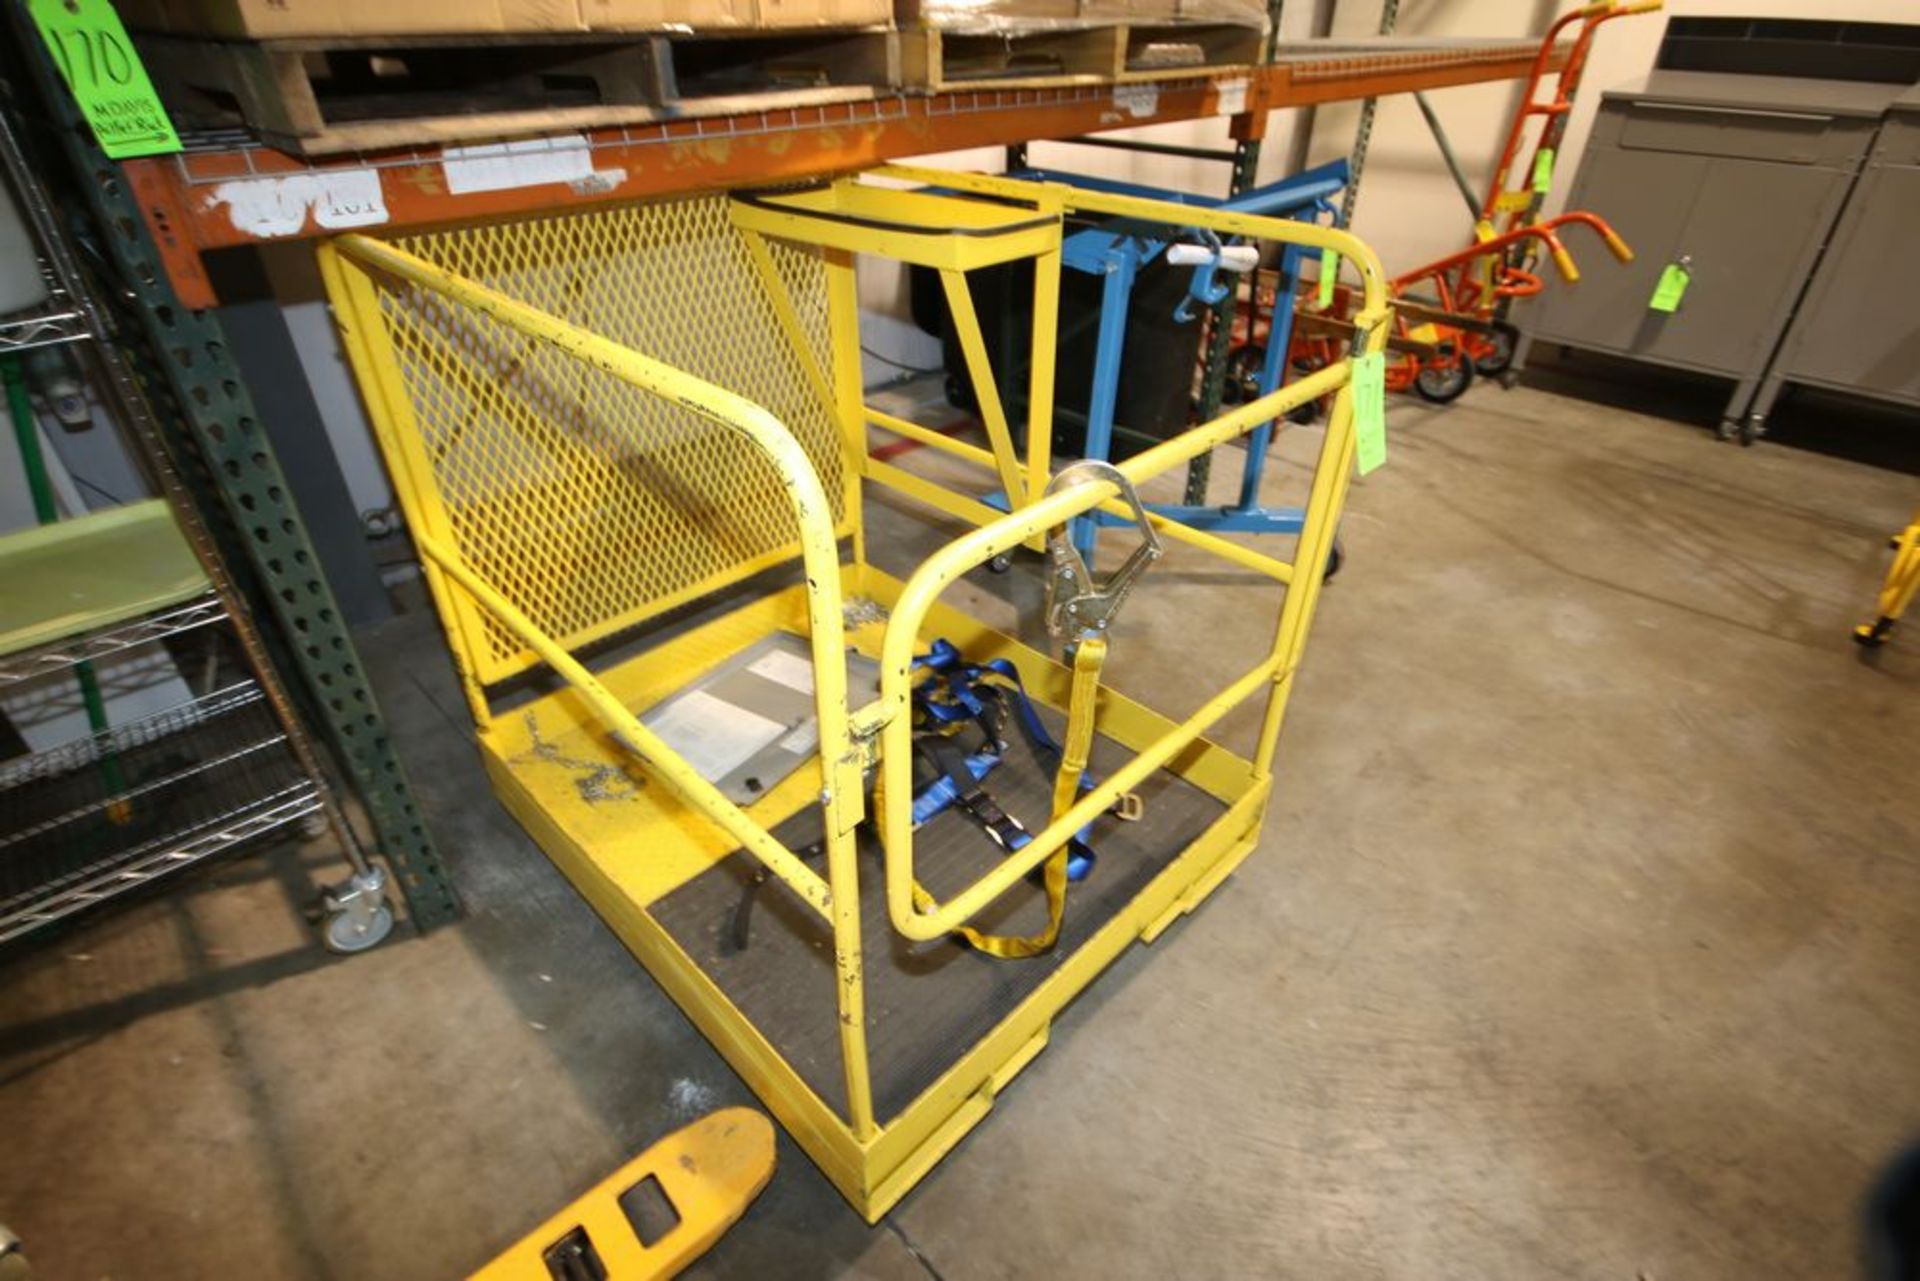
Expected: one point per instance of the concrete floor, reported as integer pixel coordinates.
(1581, 944)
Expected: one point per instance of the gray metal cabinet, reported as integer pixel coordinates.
(1858, 328)
(1739, 178)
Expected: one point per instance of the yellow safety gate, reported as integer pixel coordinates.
(596, 420)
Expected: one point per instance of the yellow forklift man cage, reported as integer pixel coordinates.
(595, 419)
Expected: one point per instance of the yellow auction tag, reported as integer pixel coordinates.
(1370, 410)
(99, 64)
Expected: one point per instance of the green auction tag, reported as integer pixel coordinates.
(1329, 276)
(1370, 410)
(98, 62)
(1670, 289)
(1543, 170)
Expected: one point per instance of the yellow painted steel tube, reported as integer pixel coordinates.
(943, 918)
(1226, 549)
(1350, 247)
(789, 317)
(685, 781)
(930, 438)
(986, 390)
(1040, 379)
(843, 332)
(1331, 475)
(369, 351)
(944, 567)
(939, 571)
(839, 760)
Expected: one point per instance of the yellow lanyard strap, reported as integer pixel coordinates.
(1088, 658)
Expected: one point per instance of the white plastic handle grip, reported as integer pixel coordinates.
(1231, 257)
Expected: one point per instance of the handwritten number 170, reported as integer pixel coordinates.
(97, 55)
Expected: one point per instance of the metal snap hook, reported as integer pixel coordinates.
(1078, 607)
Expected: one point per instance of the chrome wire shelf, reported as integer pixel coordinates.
(55, 322)
(95, 645)
(105, 814)
(57, 319)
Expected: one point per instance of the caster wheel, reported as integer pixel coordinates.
(1726, 429)
(1309, 412)
(960, 393)
(1750, 431)
(1496, 362)
(1509, 379)
(1001, 564)
(1443, 383)
(348, 932)
(1243, 374)
(1873, 635)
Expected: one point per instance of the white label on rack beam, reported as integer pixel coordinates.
(784, 668)
(1138, 100)
(335, 199)
(1232, 97)
(503, 166)
(714, 736)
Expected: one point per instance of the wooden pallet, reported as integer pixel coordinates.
(325, 96)
(1059, 54)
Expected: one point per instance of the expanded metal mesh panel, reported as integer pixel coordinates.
(590, 503)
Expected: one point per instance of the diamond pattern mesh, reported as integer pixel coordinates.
(589, 503)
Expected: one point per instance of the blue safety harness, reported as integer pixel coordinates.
(955, 694)
(953, 697)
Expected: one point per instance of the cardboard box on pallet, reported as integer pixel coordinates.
(282, 19)
(968, 16)
(286, 19)
(1014, 17)
(823, 13)
(1155, 11)
(702, 15)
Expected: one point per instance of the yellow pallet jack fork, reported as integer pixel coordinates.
(655, 1214)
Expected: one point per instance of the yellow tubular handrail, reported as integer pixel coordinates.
(924, 919)
(818, 547)
(1257, 226)
(1245, 557)
(945, 567)
(842, 798)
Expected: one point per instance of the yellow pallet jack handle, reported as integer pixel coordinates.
(707, 1174)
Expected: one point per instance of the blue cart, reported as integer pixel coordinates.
(1117, 251)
